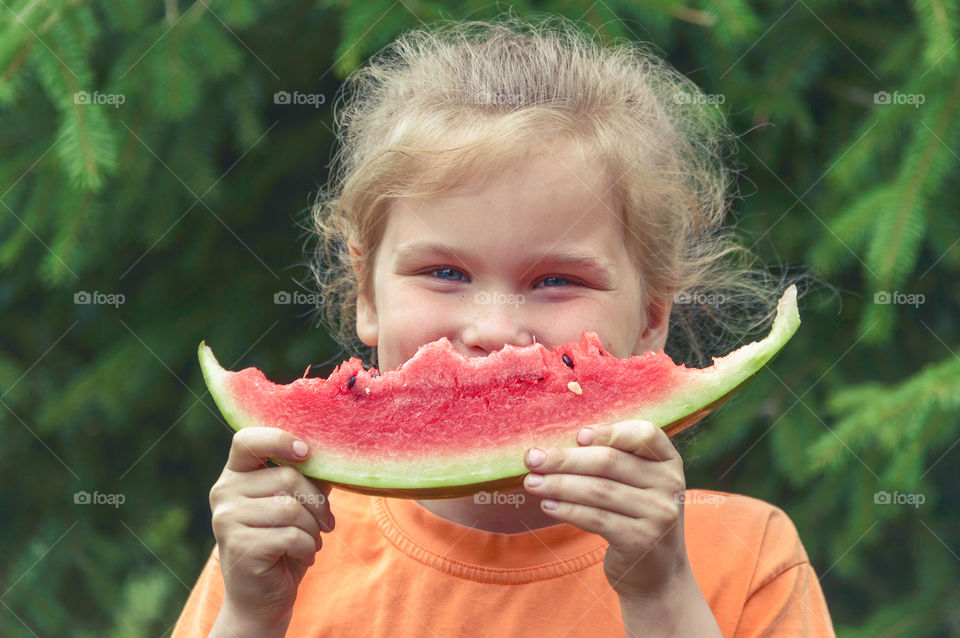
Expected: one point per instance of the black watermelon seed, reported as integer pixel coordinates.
(567, 360)
(351, 381)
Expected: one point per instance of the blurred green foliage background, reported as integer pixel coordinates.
(151, 194)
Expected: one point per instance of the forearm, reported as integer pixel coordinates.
(682, 611)
(231, 623)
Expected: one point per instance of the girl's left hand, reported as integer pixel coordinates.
(624, 483)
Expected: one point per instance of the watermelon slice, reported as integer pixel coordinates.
(445, 425)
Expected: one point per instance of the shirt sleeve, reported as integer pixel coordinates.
(791, 605)
(785, 598)
(203, 606)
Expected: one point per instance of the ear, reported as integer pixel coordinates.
(654, 335)
(368, 325)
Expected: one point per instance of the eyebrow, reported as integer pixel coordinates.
(419, 249)
(598, 267)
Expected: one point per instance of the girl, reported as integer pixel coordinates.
(500, 183)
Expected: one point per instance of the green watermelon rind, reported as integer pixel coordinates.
(701, 387)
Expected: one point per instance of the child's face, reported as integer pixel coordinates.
(538, 252)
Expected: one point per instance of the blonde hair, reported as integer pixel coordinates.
(446, 104)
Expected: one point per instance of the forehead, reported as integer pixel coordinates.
(558, 202)
(471, 154)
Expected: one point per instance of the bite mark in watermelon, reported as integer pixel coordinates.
(446, 425)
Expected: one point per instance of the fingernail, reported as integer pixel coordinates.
(535, 456)
(533, 480)
(300, 448)
(331, 522)
(549, 504)
(585, 436)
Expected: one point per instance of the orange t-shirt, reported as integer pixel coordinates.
(392, 568)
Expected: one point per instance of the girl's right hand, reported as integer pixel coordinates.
(267, 521)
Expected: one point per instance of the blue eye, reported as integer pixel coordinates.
(450, 274)
(552, 282)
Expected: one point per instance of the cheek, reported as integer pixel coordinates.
(617, 324)
(563, 319)
(410, 319)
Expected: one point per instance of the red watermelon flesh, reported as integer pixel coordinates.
(444, 425)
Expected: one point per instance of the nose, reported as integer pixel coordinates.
(492, 324)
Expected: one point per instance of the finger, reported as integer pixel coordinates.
(252, 446)
(601, 461)
(314, 499)
(287, 480)
(322, 511)
(640, 438)
(271, 543)
(592, 491)
(324, 487)
(269, 481)
(616, 528)
(632, 534)
(281, 510)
